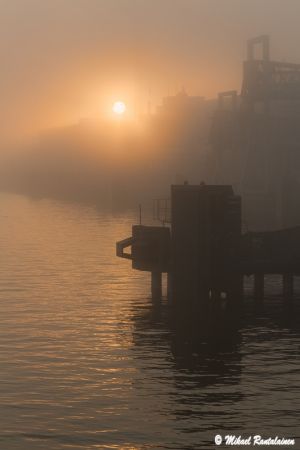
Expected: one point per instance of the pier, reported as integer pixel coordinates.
(205, 254)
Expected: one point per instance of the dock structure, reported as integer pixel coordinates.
(205, 254)
(269, 253)
(206, 230)
(150, 252)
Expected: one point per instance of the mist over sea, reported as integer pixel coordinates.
(88, 361)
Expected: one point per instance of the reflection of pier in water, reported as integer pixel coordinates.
(191, 378)
(213, 379)
(217, 360)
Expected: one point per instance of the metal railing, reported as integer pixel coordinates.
(162, 210)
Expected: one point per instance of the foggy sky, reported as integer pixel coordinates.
(62, 60)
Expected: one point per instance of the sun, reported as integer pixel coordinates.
(119, 108)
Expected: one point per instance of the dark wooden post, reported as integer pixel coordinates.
(156, 285)
(259, 287)
(287, 282)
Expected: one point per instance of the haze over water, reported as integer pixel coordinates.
(104, 104)
(88, 361)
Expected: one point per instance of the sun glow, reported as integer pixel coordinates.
(119, 108)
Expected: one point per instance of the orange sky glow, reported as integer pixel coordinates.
(68, 60)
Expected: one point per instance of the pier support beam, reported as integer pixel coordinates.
(259, 287)
(156, 285)
(288, 285)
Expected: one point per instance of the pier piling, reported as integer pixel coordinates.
(259, 280)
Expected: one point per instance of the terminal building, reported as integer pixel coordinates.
(255, 140)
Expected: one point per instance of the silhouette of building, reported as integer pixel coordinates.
(255, 139)
(182, 105)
